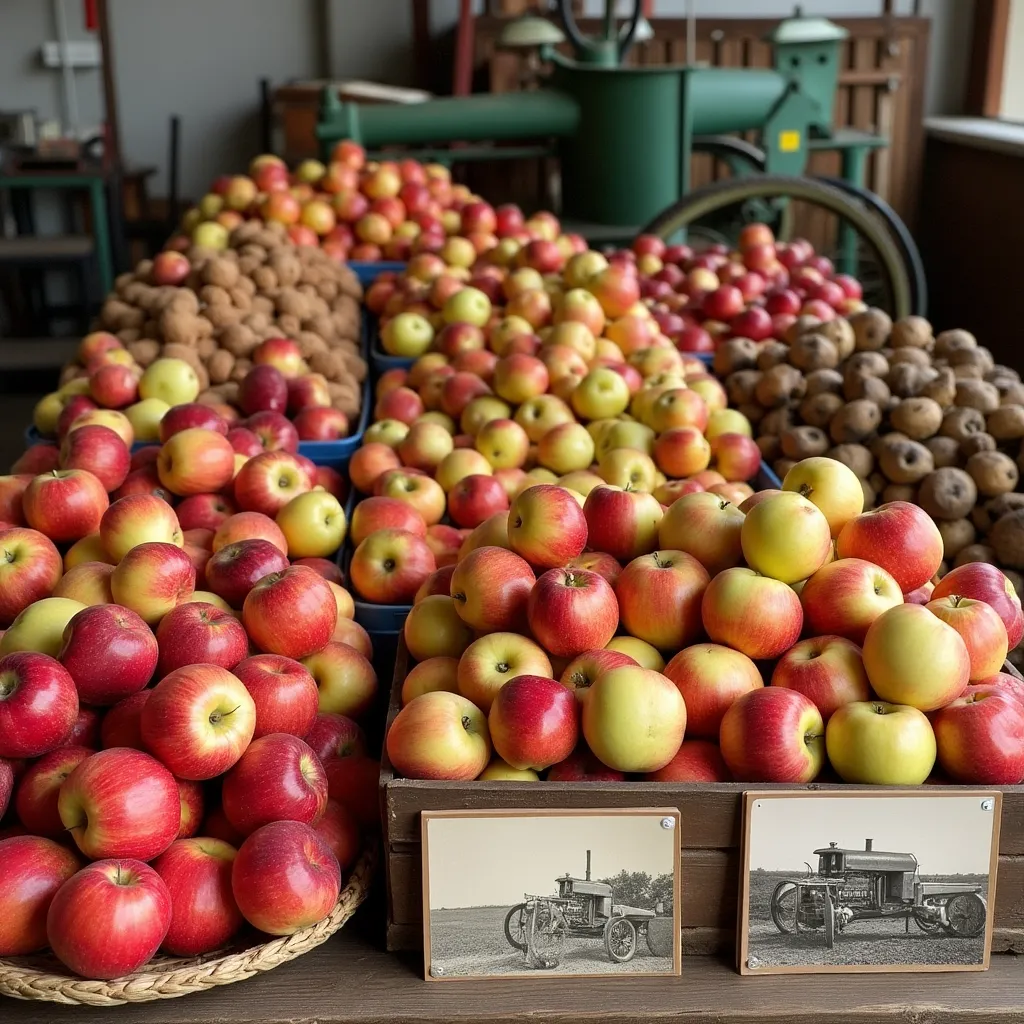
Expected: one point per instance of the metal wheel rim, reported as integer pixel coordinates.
(620, 940)
(781, 892)
(966, 915)
(519, 913)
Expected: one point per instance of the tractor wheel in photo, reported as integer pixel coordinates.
(830, 921)
(515, 927)
(620, 939)
(965, 915)
(661, 936)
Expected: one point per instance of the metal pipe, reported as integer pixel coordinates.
(868, 845)
(588, 865)
(67, 71)
(691, 32)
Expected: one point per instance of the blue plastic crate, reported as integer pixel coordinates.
(367, 273)
(767, 478)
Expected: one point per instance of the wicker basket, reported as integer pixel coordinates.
(35, 978)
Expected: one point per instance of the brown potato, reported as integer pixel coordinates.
(998, 507)
(824, 381)
(977, 394)
(917, 417)
(840, 332)
(975, 553)
(739, 386)
(871, 329)
(855, 457)
(956, 535)
(1007, 539)
(952, 341)
(942, 388)
(778, 421)
(772, 353)
(779, 385)
(854, 422)
(899, 492)
(905, 462)
(872, 364)
(961, 422)
(913, 356)
(976, 443)
(818, 410)
(804, 442)
(911, 331)
(814, 352)
(993, 473)
(771, 447)
(948, 493)
(870, 494)
(1006, 423)
(782, 467)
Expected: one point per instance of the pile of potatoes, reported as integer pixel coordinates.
(919, 417)
(261, 286)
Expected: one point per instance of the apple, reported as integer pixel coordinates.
(30, 568)
(634, 719)
(285, 878)
(278, 778)
(88, 549)
(439, 673)
(705, 526)
(355, 636)
(389, 566)
(439, 735)
(881, 744)
(138, 519)
(983, 582)
(267, 482)
(533, 722)
(283, 691)
(321, 423)
(711, 678)
(696, 761)
(152, 578)
(292, 612)
(65, 504)
(190, 796)
(109, 919)
(204, 917)
(492, 660)
(334, 737)
(756, 615)
(198, 720)
(407, 334)
(40, 626)
(582, 766)
(34, 869)
(38, 704)
(980, 628)
(345, 679)
(580, 673)
(190, 416)
(204, 512)
(571, 611)
(433, 628)
(122, 724)
(978, 737)
(234, 570)
(504, 443)
(244, 526)
(120, 803)
(491, 587)
(829, 670)
(476, 498)
(786, 537)
(830, 485)
(844, 597)
(622, 523)
(35, 801)
(546, 526)
(340, 830)
(772, 734)
(199, 633)
(902, 538)
(913, 657)
(171, 380)
(314, 524)
(420, 491)
(196, 461)
(110, 653)
(1011, 685)
(99, 451)
(660, 598)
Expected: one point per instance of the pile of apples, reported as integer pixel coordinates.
(280, 402)
(789, 638)
(175, 762)
(354, 209)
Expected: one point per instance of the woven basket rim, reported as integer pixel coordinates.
(174, 977)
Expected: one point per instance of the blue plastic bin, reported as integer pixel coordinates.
(367, 273)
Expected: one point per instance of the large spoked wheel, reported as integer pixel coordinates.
(733, 202)
(784, 907)
(830, 920)
(620, 939)
(515, 927)
(545, 936)
(965, 915)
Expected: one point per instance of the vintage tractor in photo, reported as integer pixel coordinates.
(539, 926)
(869, 884)
(624, 135)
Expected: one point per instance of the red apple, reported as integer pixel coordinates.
(979, 738)
(269, 481)
(660, 598)
(292, 612)
(622, 523)
(33, 870)
(582, 766)
(38, 704)
(263, 388)
(198, 720)
(983, 582)
(109, 919)
(980, 628)
(203, 511)
(534, 722)
(190, 795)
(234, 570)
(711, 679)
(757, 615)
(283, 691)
(491, 587)
(333, 737)
(285, 878)
(110, 653)
(204, 917)
(475, 498)
(122, 724)
(37, 458)
(30, 567)
(773, 734)
(902, 538)
(340, 830)
(389, 566)
(199, 632)
(190, 416)
(120, 803)
(697, 761)
(546, 526)
(571, 611)
(65, 504)
(100, 451)
(244, 526)
(1013, 686)
(844, 597)
(35, 801)
(829, 670)
(439, 735)
(152, 579)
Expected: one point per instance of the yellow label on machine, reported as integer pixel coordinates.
(789, 141)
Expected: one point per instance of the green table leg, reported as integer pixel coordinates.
(101, 229)
(854, 164)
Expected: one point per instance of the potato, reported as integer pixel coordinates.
(975, 553)
(960, 423)
(976, 443)
(855, 456)
(818, 410)
(771, 353)
(956, 535)
(739, 386)
(871, 329)
(911, 331)
(814, 352)
(948, 493)
(949, 342)
(1007, 539)
(854, 422)
(874, 389)
(779, 385)
(977, 394)
(804, 442)
(917, 417)
(993, 473)
(824, 381)
(840, 332)
(905, 461)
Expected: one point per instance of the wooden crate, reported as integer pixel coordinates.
(710, 836)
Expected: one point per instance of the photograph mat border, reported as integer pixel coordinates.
(559, 812)
(743, 917)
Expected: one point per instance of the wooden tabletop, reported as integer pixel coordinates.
(350, 981)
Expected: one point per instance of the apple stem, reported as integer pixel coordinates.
(8, 684)
(466, 722)
(389, 565)
(955, 600)
(806, 490)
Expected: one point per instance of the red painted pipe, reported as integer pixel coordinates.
(463, 77)
(91, 18)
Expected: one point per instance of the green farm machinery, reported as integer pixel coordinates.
(625, 134)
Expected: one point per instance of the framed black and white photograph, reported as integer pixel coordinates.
(551, 893)
(868, 881)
